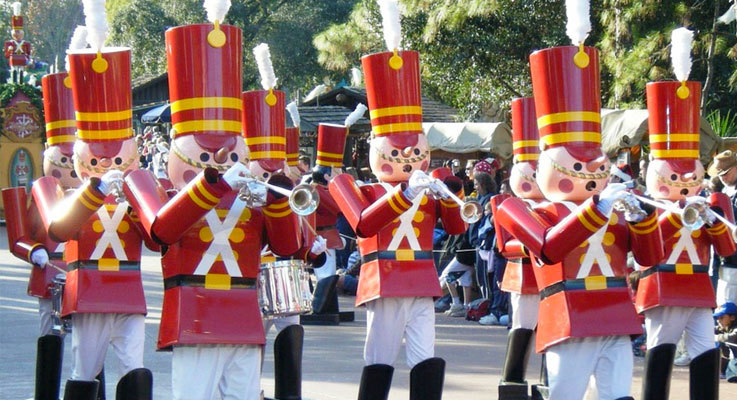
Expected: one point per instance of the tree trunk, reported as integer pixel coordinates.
(710, 59)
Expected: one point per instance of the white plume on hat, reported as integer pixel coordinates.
(17, 8)
(216, 9)
(578, 24)
(390, 21)
(265, 68)
(729, 16)
(79, 41)
(355, 115)
(293, 112)
(94, 12)
(680, 52)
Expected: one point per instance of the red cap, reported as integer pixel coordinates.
(59, 111)
(264, 127)
(16, 21)
(394, 97)
(293, 146)
(330, 145)
(674, 120)
(441, 173)
(525, 136)
(567, 92)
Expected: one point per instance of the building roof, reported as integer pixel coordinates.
(311, 116)
(348, 96)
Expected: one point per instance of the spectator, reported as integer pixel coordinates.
(725, 167)
(726, 338)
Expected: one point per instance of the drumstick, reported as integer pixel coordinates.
(48, 264)
(308, 225)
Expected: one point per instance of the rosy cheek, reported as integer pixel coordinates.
(188, 175)
(565, 186)
(526, 187)
(85, 175)
(664, 190)
(387, 169)
(423, 166)
(56, 174)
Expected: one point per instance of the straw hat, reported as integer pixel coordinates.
(723, 162)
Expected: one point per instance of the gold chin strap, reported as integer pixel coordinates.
(410, 160)
(678, 184)
(576, 174)
(193, 163)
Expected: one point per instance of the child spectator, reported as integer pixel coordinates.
(726, 338)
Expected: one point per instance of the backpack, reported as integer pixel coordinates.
(477, 309)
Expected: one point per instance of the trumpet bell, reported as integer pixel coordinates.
(692, 217)
(304, 200)
(471, 212)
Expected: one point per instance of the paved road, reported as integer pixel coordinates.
(332, 358)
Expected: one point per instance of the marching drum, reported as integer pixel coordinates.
(284, 289)
(60, 326)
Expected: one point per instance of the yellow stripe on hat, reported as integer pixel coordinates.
(567, 137)
(257, 155)
(54, 140)
(524, 143)
(266, 140)
(398, 110)
(207, 125)
(674, 137)
(327, 154)
(527, 157)
(675, 153)
(568, 116)
(64, 123)
(196, 103)
(398, 127)
(108, 116)
(108, 134)
(329, 163)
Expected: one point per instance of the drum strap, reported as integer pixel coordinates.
(199, 281)
(681, 269)
(583, 284)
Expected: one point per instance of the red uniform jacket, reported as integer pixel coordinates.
(17, 53)
(681, 278)
(103, 247)
(394, 237)
(327, 218)
(26, 234)
(519, 276)
(211, 256)
(580, 264)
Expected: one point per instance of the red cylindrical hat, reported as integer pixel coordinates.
(674, 122)
(567, 92)
(394, 97)
(59, 111)
(205, 83)
(330, 145)
(101, 84)
(16, 21)
(525, 137)
(264, 128)
(292, 146)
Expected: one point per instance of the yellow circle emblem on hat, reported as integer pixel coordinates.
(99, 64)
(396, 62)
(216, 38)
(581, 59)
(682, 92)
(68, 82)
(270, 98)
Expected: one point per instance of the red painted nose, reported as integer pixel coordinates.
(593, 165)
(106, 162)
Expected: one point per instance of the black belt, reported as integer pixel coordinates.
(122, 265)
(56, 256)
(400, 255)
(199, 281)
(590, 283)
(690, 269)
(326, 228)
(525, 260)
(726, 265)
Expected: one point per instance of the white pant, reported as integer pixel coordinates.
(388, 320)
(667, 324)
(280, 323)
(226, 372)
(727, 286)
(91, 335)
(571, 363)
(327, 269)
(466, 280)
(44, 311)
(524, 310)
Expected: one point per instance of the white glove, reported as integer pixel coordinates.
(319, 245)
(237, 176)
(111, 179)
(418, 182)
(40, 257)
(697, 200)
(611, 193)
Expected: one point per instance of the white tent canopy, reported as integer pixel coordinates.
(468, 137)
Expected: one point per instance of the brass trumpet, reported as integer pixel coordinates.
(303, 199)
(693, 215)
(471, 211)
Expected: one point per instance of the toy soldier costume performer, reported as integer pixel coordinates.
(394, 221)
(676, 294)
(17, 50)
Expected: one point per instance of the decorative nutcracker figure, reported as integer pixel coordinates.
(519, 277)
(676, 294)
(212, 238)
(394, 220)
(104, 292)
(17, 50)
(27, 237)
(292, 133)
(578, 245)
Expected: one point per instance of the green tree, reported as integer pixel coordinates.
(49, 25)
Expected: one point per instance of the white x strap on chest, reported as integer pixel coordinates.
(220, 245)
(59, 248)
(594, 252)
(684, 243)
(405, 225)
(110, 236)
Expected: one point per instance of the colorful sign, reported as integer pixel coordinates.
(21, 169)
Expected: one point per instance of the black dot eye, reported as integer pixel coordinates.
(266, 174)
(673, 177)
(73, 174)
(395, 153)
(602, 168)
(234, 157)
(63, 159)
(417, 152)
(204, 157)
(93, 162)
(577, 166)
(118, 160)
(534, 175)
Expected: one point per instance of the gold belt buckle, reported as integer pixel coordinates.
(108, 264)
(595, 282)
(217, 281)
(684, 269)
(404, 255)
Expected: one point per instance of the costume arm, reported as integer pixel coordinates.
(63, 218)
(719, 234)
(450, 211)
(283, 229)
(18, 225)
(646, 240)
(507, 245)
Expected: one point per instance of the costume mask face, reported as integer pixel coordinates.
(562, 177)
(87, 164)
(522, 181)
(61, 167)
(393, 164)
(664, 183)
(187, 158)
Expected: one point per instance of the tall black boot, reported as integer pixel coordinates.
(81, 390)
(137, 384)
(426, 380)
(704, 376)
(513, 385)
(658, 367)
(288, 363)
(101, 378)
(325, 297)
(50, 349)
(376, 380)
